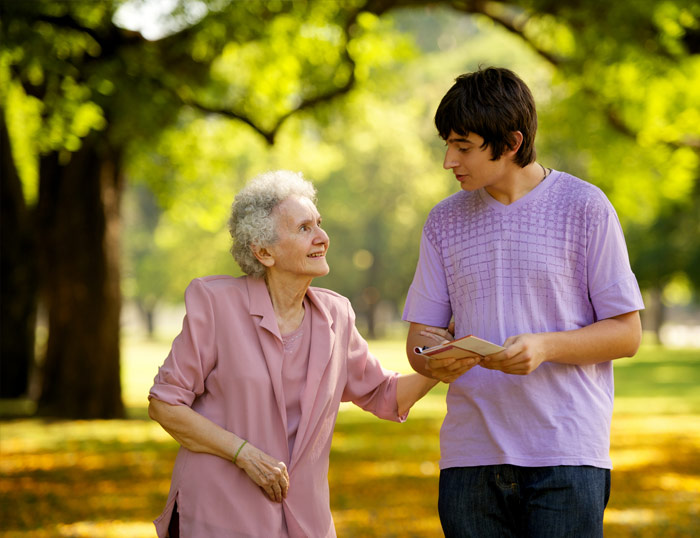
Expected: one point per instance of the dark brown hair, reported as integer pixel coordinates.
(493, 103)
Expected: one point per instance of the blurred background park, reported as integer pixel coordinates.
(128, 126)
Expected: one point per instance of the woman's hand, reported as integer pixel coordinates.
(199, 434)
(271, 475)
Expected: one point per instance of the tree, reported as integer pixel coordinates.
(99, 88)
(18, 278)
(102, 89)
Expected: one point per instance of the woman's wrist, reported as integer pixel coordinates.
(238, 452)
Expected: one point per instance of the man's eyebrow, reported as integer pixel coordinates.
(460, 140)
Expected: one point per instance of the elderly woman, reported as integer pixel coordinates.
(252, 385)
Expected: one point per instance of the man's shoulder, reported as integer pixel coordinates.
(576, 198)
(454, 200)
(576, 188)
(451, 206)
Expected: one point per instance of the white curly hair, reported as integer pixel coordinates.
(252, 223)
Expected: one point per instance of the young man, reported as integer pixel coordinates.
(533, 259)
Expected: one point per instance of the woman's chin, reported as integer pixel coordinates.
(323, 271)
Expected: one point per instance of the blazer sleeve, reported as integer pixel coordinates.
(193, 354)
(369, 385)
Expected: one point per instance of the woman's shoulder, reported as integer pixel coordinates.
(215, 285)
(328, 298)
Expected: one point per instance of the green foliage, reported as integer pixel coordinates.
(617, 94)
(376, 160)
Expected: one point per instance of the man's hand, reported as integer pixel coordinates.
(446, 369)
(523, 354)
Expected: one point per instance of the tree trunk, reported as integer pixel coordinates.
(658, 310)
(78, 222)
(148, 314)
(18, 278)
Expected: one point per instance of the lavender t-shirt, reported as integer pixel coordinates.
(554, 260)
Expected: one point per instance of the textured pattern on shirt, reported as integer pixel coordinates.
(553, 260)
(519, 263)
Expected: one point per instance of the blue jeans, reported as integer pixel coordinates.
(504, 501)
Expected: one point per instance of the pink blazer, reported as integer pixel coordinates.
(227, 365)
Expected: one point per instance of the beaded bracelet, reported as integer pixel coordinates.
(239, 451)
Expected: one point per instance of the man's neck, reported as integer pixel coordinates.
(517, 183)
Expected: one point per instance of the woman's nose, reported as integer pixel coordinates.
(322, 236)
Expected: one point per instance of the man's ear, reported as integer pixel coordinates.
(516, 140)
(263, 255)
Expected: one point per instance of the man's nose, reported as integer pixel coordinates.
(449, 161)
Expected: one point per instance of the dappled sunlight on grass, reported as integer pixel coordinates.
(656, 476)
(83, 478)
(111, 478)
(106, 529)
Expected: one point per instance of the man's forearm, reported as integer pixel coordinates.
(413, 340)
(605, 340)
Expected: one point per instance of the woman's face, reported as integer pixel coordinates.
(301, 244)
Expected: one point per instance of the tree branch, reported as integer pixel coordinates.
(515, 22)
(307, 103)
(268, 135)
(109, 40)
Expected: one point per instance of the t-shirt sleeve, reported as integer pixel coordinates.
(193, 354)
(612, 286)
(369, 385)
(428, 299)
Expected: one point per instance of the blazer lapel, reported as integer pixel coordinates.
(315, 395)
(270, 339)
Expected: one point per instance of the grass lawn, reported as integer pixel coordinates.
(110, 478)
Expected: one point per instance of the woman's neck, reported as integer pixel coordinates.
(287, 296)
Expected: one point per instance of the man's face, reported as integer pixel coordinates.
(471, 163)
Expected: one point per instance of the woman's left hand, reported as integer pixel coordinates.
(268, 473)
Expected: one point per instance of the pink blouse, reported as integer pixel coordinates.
(228, 365)
(296, 346)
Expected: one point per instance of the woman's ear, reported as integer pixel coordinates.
(263, 255)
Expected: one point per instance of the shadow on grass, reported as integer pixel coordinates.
(111, 478)
(55, 474)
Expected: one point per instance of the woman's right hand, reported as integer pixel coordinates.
(271, 475)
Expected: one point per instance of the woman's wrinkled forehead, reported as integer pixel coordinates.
(295, 208)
